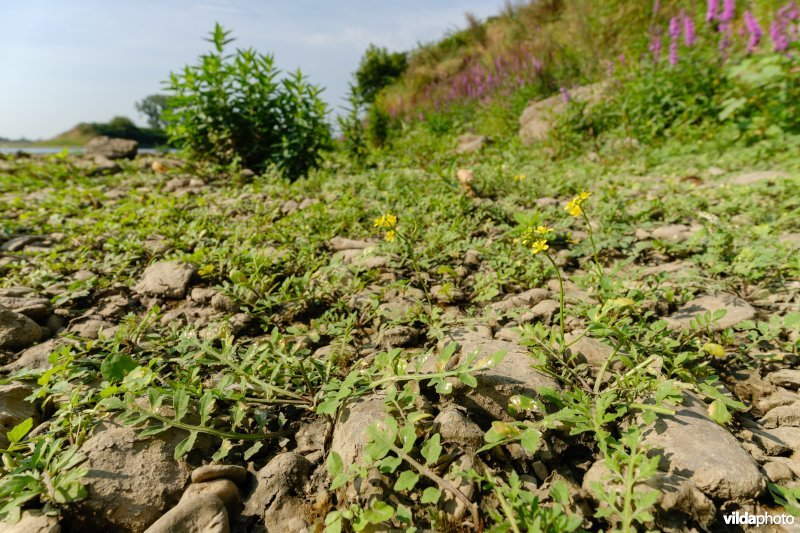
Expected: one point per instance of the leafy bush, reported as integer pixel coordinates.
(377, 69)
(236, 108)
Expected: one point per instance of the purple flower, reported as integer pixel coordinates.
(728, 10)
(755, 31)
(779, 29)
(725, 40)
(564, 95)
(688, 30)
(655, 46)
(674, 35)
(711, 11)
(656, 6)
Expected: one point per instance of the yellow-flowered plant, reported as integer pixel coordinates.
(573, 207)
(519, 177)
(389, 222)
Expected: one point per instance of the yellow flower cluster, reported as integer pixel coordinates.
(533, 238)
(519, 177)
(573, 207)
(388, 221)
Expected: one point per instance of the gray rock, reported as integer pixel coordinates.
(338, 244)
(398, 336)
(19, 243)
(542, 312)
(203, 513)
(131, 480)
(750, 178)
(514, 375)
(35, 357)
(523, 300)
(469, 142)
(588, 350)
(674, 232)
(224, 489)
(783, 415)
(17, 331)
(235, 473)
(778, 472)
(37, 309)
(166, 279)
(787, 377)
(537, 119)
(350, 430)
(719, 467)
(454, 427)
(310, 438)
(446, 293)
(779, 440)
(111, 148)
(472, 258)
(32, 521)
(277, 496)
(737, 310)
(103, 166)
(14, 408)
(89, 328)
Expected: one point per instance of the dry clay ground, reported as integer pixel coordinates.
(96, 267)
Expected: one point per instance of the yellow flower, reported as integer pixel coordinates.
(539, 246)
(519, 177)
(541, 230)
(386, 221)
(574, 208)
(390, 235)
(584, 195)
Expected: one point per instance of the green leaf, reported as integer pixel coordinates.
(468, 380)
(406, 481)
(408, 436)
(379, 512)
(251, 451)
(718, 411)
(380, 442)
(334, 464)
(185, 446)
(180, 402)
(431, 495)
(432, 449)
(389, 464)
(531, 439)
(223, 450)
(206, 406)
(19, 431)
(116, 366)
(328, 407)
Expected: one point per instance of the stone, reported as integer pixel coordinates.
(778, 472)
(522, 300)
(472, 258)
(737, 310)
(37, 309)
(350, 430)
(278, 494)
(469, 142)
(787, 377)
(35, 357)
(455, 427)
(778, 441)
(776, 399)
(203, 513)
(166, 279)
(751, 178)
(19, 243)
(674, 233)
(222, 302)
(537, 119)
(103, 166)
(89, 328)
(17, 331)
(311, 436)
(783, 415)
(719, 466)
(224, 489)
(514, 375)
(14, 408)
(111, 148)
(235, 473)
(131, 481)
(588, 350)
(447, 293)
(398, 336)
(542, 312)
(450, 503)
(339, 244)
(32, 521)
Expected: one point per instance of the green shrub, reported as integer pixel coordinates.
(377, 69)
(237, 108)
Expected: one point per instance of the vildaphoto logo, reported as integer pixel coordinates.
(745, 518)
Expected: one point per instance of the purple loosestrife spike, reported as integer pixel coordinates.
(674, 35)
(728, 10)
(656, 6)
(711, 10)
(564, 95)
(688, 31)
(655, 46)
(725, 40)
(755, 31)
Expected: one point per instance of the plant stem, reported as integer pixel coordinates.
(560, 301)
(230, 435)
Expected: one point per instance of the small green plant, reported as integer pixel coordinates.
(237, 108)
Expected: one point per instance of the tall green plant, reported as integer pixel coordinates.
(237, 108)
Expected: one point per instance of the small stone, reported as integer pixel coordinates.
(784, 415)
(778, 472)
(35, 357)
(779, 440)
(222, 302)
(166, 279)
(673, 233)
(111, 148)
(32, 521)
(89, 328)
(398, 336)
(750, 178)
(776, 399)
(540, 470)
(736, 311)
(542, 312)
(235, 473)
(17, 331)
(472, 258)
(454, 426)
(526, 299)
(203, 513)
(350, 431)
(14, 408)
(787, 377)
(469, 142)
(338, 244)
(224, 489)
(447, 293)
(277, 496)
(588, 350)
(37, 309)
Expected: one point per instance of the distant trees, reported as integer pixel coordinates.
(377, 69)
(153, 108)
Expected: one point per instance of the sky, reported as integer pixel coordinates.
(62, 62)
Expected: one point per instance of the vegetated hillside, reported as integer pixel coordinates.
(118, 127)
(590, 326)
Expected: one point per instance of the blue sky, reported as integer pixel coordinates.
(66, 62)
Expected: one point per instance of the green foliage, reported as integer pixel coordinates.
(377, 69)
(351, 125)
(153, 107)
(237, 108)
